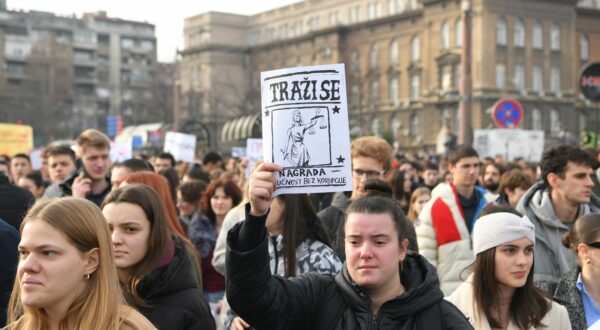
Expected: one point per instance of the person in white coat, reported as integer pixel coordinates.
(500, 293)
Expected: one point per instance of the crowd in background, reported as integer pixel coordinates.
(176, 239)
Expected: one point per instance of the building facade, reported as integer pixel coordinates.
(402, 62)
(65, 74)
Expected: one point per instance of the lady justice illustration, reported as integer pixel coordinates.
(295, 151)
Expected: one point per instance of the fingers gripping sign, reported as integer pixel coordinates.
(261, 187)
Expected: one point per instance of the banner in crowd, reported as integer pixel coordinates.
(254, 152)
(120, 151)
(510, 143)
(181, 146)
(15, 139)
(305, 128)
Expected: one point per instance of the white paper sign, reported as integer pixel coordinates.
(120, 151)
(510, 143)
(181, 146)
(36, 158)
(305, 128)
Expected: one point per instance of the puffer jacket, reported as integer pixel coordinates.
(318, 301)
(172, 295)
(569, 296)
(443, 236)
(552, 259)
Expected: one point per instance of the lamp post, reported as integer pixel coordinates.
(465, 133)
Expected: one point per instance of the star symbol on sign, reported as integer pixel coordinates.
(336, 109)
(266, 113)
(340, 159)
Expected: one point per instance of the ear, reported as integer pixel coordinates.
(451, 168)
(582, 250)
(402, 249)
(553, 179)
(92, 260)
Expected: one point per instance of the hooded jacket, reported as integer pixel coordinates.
(14, 202)
(569, 296)
(552, 259)
(174, 300)
(318, 301)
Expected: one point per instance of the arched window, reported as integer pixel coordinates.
(554, 122)
(519, 34)
(538, 36)
(396, 124)
(537, 78)
(519, 78)
(501, 31)
(555, 79)
(374, 92)
(394, 52)
(373, 56)
(536, 119)
(555, 37)
(375, 126)
(394, 97)
(415, 49)
(415, 86)
(584, 48)
(354, 62)
(445, 35)
(458, 33)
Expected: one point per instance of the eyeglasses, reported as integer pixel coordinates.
(595, 245)
(369, 173)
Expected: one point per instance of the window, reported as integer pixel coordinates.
(415, 49)
(555, 37)
(519, 34)
(391, 7)
(396, 125)
(445, 35)
(446, 77)
(334, 18)
(584, 48)
(400, 6)
(457, 75)
(555, 80)
(554, 122)
(414, 126)
(458, 32)
(537, 78)
(127, 43)
(355, 96)
(394, 99)
(394, 53)
(377, 9)
(371, 11)
(373, 56)
(500, 76)
(147, 45)
(354, 62)
(519, 78)
(538, 42)
(501, 31)
(536, 119)
(354, 12)
(374, 92)
(375, 126)
(415, 86)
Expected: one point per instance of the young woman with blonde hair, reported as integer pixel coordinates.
(66, 277)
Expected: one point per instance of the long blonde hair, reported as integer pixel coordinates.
(100, 304)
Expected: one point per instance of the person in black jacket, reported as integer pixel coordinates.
(382, 285)
(153, 266)
(14, 201)
(9, 257)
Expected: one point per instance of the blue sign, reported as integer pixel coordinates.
(508, 113)
(111, 126)
(137, 142)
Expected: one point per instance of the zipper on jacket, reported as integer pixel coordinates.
(274, 240)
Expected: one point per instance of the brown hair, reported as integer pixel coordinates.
(146, 198)
(101, 300)
(191, 191)
(91, 138)
(528, 305)
(514, 179)
(586, 230)
(230, 189)
(373, 147)
(412, 214)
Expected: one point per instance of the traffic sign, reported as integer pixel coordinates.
(508, 113)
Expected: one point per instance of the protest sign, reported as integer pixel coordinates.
(15, 139)
(181, 146)
(510, 143)
(254, 152)
(305, 128)
(120, 151)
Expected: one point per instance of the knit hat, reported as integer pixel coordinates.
(500, 228)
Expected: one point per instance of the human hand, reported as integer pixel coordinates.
(261, 186)
(238, 324)
(81, 186)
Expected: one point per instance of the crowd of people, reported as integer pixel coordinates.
(422, 241)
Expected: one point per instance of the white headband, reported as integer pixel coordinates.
(500, 228)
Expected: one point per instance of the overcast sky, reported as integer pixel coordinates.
(167, 16)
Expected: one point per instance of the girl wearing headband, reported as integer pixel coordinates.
(500, 293)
